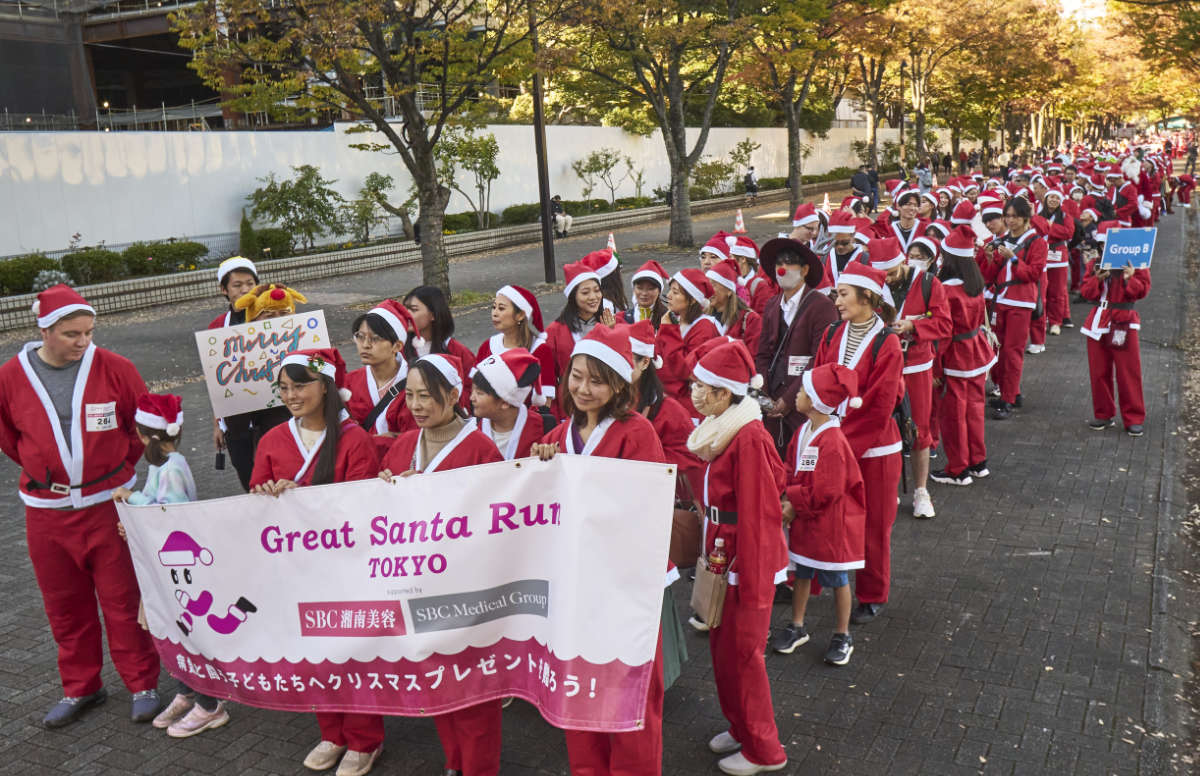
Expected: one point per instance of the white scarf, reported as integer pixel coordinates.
(715, 433)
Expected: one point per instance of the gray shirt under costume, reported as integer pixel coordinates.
(59, 382)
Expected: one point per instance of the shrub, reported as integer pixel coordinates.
(94, 265)
(274, 243)
(50, 277)
(247, 239)
(627, 203)
(521, 214)
(17, 274)
(466, 222)
(160, 258)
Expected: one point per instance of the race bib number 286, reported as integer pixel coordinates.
(101, 417)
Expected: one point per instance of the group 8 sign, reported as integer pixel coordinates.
(1125, 247)
(241, 363)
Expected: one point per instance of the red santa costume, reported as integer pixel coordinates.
(870, 430)
(740, 495)
(1187, 183)
(965, 360)
(67, 479)
(526, 302)
(232, 317)
(631, 438)
(471, 737)
(1112, 329)
(512, 376)
(758, 286)
(676, 342)
(282, 455)
(1059, 230)
(903, 234)
(746, 324)
(1016, 283)
(653, 272)
(560, 337)
(841, 222)
(366, 393)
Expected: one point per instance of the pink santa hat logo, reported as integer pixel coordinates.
(180, 549)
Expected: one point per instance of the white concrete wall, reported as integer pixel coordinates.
(121, 187)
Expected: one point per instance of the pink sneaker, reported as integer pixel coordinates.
(198, 720)
(178, 707)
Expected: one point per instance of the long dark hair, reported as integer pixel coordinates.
(442, 328)
(438, 386)
(154, 452)
(324, 469)
(612, 287)
(650, 391)
(570, 316)
(963, 268)
(660, 305)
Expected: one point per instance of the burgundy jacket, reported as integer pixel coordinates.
(781, 345)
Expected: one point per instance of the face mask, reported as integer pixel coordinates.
(920, 264)
(790, 279)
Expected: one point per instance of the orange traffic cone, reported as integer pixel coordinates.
(612, 244)
(739, 224)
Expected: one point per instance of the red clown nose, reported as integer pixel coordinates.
(780, 271)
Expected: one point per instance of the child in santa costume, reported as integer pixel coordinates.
(843, 250)
(862, 341)
(1112, 330)
(602, 420)
(377, 388)
(319, 445)
(735, 316)
(649, 294)
(684, 329)
(517, 319)
(435, 331)
(739, 492)
(824, 506)
(444, 439)
(67, 419)
(500, 390)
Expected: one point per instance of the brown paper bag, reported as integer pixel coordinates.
(708, 594)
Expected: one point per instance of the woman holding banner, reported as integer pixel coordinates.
(602, 420)
(445, 440)
(317, 447)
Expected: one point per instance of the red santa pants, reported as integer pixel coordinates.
(962, 410)
(471, 738)
(1105, 363)
(1185, 193)
(636, 753)
(737, 647)
(1012, 328)
(79, 559)
(920, 402)
(1037, 326)
(356, 732)
(1058, 308)
(1076, 273)
(881, 478)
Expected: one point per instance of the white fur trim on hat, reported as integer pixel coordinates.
(503, 381)
(48, 320)
(445, 368)
(608, 356)
(393, 322)
(862, 281)
(887, 264)
(577, 280)
(235, 263)
(717, 277)
(150, 420)
(328, 368)
(713, 250)
(811, 391)
(713, 379)
(686, 285)
(514, 296)
(649, 274)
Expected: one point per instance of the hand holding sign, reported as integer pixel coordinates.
(1128, 248)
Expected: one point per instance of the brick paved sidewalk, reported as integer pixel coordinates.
(1017, 640)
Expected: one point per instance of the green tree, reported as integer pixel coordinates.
(247, 240)
(600, 166)
(305, 206)
(464, 149)
(377, 186)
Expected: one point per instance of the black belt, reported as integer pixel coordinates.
(1113, 305)
(966, 335)
(65, 490)
(1058, 245)
(721, 516)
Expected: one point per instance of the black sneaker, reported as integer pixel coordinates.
(1002, 412)
(979, 470)
(145, 707)
(1067, 323)
(841, 646)
(946, 478)
(864, 613)
(1135, 430)
(68, 710)
(1099, 424)
(786, 641)
(996, 402)
(1019, 402)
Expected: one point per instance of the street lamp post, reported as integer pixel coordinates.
(903, 67)
(539, 146)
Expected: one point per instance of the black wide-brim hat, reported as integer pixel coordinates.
(770, 250)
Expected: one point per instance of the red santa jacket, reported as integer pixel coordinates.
(227, 319)
(869, 429)
(931, 321)
(103, 448)
(673, 425)
(281, 456)
(984, 261)
(1057, 228)
(829, 277)
(746, 326)
(1016, 282)
(525, 433)
(1113, 300)
(967, 352)
(740, 495)
(761, 288)
(677, 348)
(784, 351)
(546, 387)
(1125, 201)
(468, 448)
(893, 229)
(364, 395)
(826, 489)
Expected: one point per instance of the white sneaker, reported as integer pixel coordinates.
(181, 705)
(994, 392)
(922, 504)
(358, 763)
(697, 623)
(724, 743)
(1035, 349)
(738, 765)
(1056, 330)
(198, 720)
(323, 756)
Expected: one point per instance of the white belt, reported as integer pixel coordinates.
(881, 451)
(915, 368)
(780, 576)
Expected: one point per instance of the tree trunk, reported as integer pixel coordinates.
(955, 141)
(681, 207)
(795, 158)
(433, 198)
(873, 137)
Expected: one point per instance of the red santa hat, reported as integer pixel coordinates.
(948, 190)
(1087, 211)
(450, 367)
(806, 213)
(728, 366)
(576, 273)
(893, 187)
(990, 207)
(971, 183)
(610, 346)
(603, 262)
(1102, 228)
(510, 374)
(941, 226)
(396, 316)
(234, 264)
(828, 385)
(1054, 192)
(641, 341)
(654, 271)
(841, 222)
(694, 283)
(930, 197)
(960, 242)
(885, 253)
(900, 197)
(325, 361)
(928, 243)
(180, 549)
(742, 246)
(526, 302)
(726, 272)
(162, 411)
(56, 303)
(963, 212)
(869, 278)
(863, 230)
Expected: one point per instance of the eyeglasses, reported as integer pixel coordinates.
(367, 340)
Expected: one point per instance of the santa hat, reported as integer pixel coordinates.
(941, 226)
(726, 272)
(1054, 193)
(960, 242)
(396, 316)
(610, 346)
(869, 278)
(742, 246)
(885, 253)
(964, 211)
(971, 183)
(728, 366)
(1087, 211)
(325, 361)
(576, 273)
(841, 222)
(863, 229)
(526, 302)
(927, 243)
(893, 187)
(929, 195)
(653, 271)
(162, 411)
(717, 245)
(806, 213)
(56, 303)
(180, 549)
(603, 262)
(828, 385)
(268, 298)
(235, 263)
(1101, 234)
(511, 374)
(948, 190)
(448, 366)
(694, 283)
(900, 197)
(990, 207)
(641, 341)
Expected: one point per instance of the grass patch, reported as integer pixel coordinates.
(470, 299)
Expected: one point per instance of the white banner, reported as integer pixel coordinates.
(421, 596)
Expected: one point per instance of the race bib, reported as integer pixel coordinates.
(797, 365)
(808, 459)
(100, 417)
